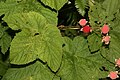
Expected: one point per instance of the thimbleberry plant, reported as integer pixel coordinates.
(59, 40)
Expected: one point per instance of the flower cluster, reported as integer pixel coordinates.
(104, 30)
(114, 74)
(105, 39)
(85, 28)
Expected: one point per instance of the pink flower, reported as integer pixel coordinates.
(105, 29)
(106, 39)
(86, 29)
(113, 75)
(83, 22)
(117, 62)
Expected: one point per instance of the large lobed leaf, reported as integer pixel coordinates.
(79, 64)
(38, 39)
(36, 71)
(55, 4)
(10, 7)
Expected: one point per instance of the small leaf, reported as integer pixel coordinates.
(2, 30)
(81, 5)
(5, 42)
(36, 71)
(5, 39)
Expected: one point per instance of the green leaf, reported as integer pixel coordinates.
(99, 1)
(5, 39)
(56, 78)
(50, 15)
(95, 14)
(31, 20)
(36, 71)
(2, 0)
(81, 5)
(5, 42)
(55, 4)
(78, 68)
(94, 42)
(81, 63)
(72, 48)
(11, 7)
(102, 13)
(115, 24)
(80, 46)
(37, 40)
(113, 52)
(23, 48)
(3, 68)
(99, 16)
(68, 46)
(111, 6)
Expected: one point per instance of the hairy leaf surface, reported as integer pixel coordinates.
(11, 7)
(36, 40)
(80, 63)
(36, 71)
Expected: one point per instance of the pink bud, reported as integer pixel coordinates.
(86, 29)
(113, 75)
(117, 62)
(106, 39)
(105, 29)
(82, 22)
